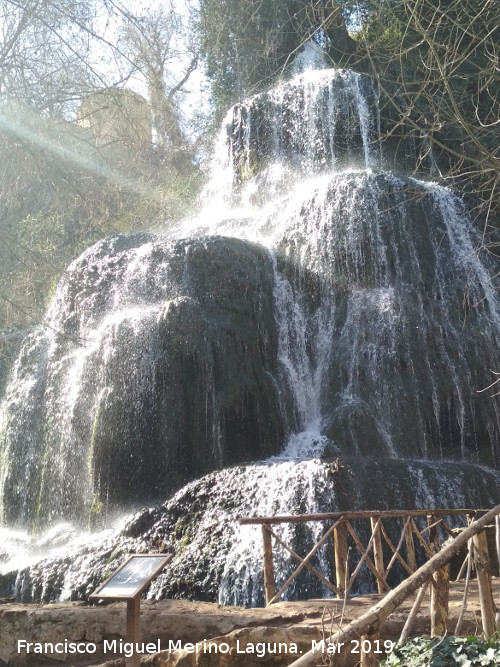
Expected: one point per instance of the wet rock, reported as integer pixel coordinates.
(159, 365)
(216, 559)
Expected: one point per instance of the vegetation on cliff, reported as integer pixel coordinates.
(65, 185)
(436, 63)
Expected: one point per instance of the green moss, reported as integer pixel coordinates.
(95, 512)
(185, 527)
(333, 467)
(36, 524)
(248, 167)
(92, 440)
(118, 552)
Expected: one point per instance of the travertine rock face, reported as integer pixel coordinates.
(158, 364)
(319, 338)
(164, 360)
(382, 269)
(216, 559)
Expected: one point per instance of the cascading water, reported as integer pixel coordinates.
(321, 120)
(313, 310)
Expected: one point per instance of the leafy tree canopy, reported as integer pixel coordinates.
(82, 156)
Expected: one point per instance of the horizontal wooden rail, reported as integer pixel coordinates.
(363, 514)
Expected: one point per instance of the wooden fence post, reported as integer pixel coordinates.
(378, 555)
(410, 546)
(368, 658)
(133, 629)
(483, 568)
(269, 585)
(340, 544)
(440, 587)
(440, 591)
(497, 542)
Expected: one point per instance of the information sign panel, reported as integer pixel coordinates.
(132, 577)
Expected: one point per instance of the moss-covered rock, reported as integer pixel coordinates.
(217, 559)
(160, 364)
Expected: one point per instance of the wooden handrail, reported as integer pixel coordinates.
(363, 514)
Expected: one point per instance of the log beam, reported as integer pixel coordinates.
(410, 545)
(378, 554)
(329, 516)
(441, 589)
(368, 658)
(340, 546)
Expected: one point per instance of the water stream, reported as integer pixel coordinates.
(322, 317)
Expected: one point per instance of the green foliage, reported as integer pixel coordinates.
(247, 45)
(444, 652)
(60, 193)
(185, 527)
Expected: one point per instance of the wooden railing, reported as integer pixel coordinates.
(410, 538)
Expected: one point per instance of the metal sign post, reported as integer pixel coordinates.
(127, 583)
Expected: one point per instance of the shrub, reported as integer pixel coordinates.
(444, 651)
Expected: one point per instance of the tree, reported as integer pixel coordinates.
(46, 52)
(248, 45)
(437, 62)
(61, 186)
(164, 51)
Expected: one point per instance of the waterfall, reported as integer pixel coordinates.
(318, 121)
(383, 264)
(319, 333)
